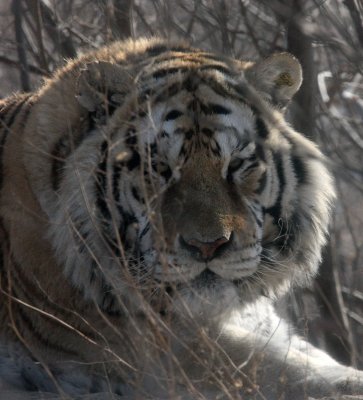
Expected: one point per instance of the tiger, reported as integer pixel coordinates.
(154, 205)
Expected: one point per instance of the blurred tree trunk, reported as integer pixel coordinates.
(300, 45)
(333, 326)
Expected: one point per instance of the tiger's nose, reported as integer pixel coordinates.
(207, 250)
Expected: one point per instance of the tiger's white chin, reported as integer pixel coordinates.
(206, 299)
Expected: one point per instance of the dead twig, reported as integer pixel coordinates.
(19, 35)
(34, 5)
(32, 68)
(61, 40)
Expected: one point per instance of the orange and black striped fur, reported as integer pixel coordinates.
(153, 204)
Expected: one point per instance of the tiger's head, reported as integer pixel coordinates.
(189, 178)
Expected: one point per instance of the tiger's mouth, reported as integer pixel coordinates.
(196, 254)
(183, 269)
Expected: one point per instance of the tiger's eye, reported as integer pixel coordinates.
(235, 164)
(164, 170)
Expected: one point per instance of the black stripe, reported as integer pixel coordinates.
(259, 222)
(262, 183)
(151, 149)
(126, 219)
(191, 83)
(212, 108)
(168, 93)
(93, 272)
(116, 173)
(157, 50)
(162, 48)
(109, 300)
(161, 73)
(136, 194)
(275, 210)
(134, 161)
(260, 152)
(208, 132)
(80, 234)
(261, 128)
(299, 169)
(240, 88)
(59, 153)
(173, 114)
(189, 134)
(251, 166)
(166, 173)
(145, 230)
(240, 92)
(227, 90)
(218, 88)
(16, 111)
(101, 183)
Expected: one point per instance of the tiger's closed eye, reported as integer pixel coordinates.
(164, 170)
(235, 164)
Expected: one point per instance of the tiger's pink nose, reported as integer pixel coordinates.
(207, 249)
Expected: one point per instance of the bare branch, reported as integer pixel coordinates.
(32, 68)
(336, 329)
(19, 35)
(36, 12)
(118, 14)
(356, 18)
(60, 39)
(122, 18)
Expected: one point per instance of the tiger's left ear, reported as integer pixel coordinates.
(279, 77)
(100, 83)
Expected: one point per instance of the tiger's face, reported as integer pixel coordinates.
(200, 172)
(211, 217)
(190, 178)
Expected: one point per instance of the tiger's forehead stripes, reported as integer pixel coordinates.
(220, 86)
(180, 60)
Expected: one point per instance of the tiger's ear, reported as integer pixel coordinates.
(100, 84)
(279, 77)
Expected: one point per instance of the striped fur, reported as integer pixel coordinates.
(120, 179)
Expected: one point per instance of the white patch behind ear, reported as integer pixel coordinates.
(279, 77)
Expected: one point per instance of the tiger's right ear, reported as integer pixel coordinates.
(100, 83)
(278, 77)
